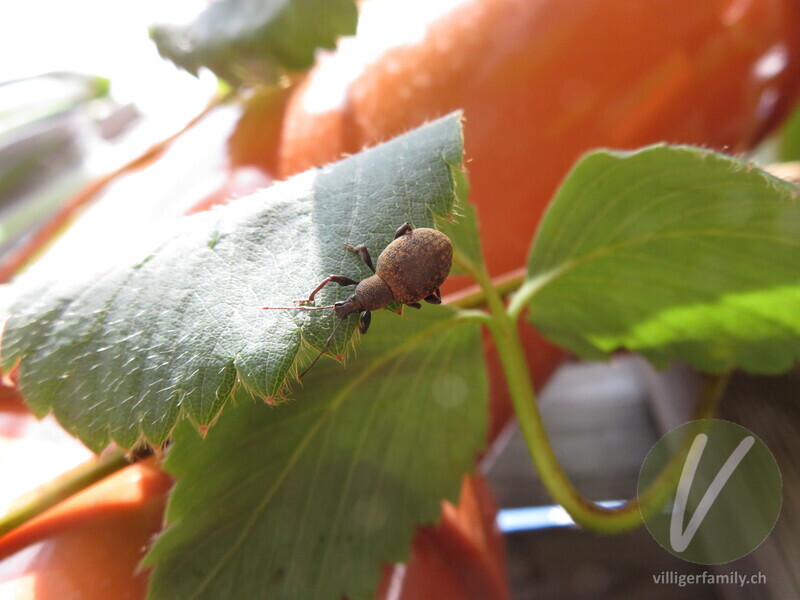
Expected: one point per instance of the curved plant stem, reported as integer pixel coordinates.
(475, 296)
(520, 300)
(583, 511)
(37, 501)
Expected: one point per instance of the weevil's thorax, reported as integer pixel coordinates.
(373, 293)
(416, 264)
(370, 294)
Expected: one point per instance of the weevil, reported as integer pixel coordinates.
(409, 270)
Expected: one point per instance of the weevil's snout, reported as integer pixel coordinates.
(346, 308)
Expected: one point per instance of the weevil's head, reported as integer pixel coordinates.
(347, 307)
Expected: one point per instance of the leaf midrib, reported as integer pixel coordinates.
(306, 439)
(571, 263)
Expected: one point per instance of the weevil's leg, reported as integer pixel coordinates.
(362, 250)
(435, 297)
(364, 321)
(341, 280)
(415, 305)
(402, 230)
(321, 352)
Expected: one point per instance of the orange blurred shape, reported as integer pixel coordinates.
(462, 558)
(542, 82)
(88, 547)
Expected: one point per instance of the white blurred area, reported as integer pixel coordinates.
(109, 39)
(382, 24)
(150, 99)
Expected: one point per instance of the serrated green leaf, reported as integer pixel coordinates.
(254, 41)
(462, 227)
(121, 353)
(673, 252)
(309, 500)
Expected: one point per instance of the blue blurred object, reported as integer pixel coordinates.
(530, 518)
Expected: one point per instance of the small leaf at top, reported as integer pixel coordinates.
(311, 499)
(673, 252)
(254, 41)
(119, 354)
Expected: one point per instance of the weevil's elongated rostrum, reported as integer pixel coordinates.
(411, 268)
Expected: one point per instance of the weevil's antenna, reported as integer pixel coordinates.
(329, 306)
(330, 337)
(325, 347)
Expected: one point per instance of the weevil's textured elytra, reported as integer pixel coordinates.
(410, 269)
(416, 264)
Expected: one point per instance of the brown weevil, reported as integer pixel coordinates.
(411, 268)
